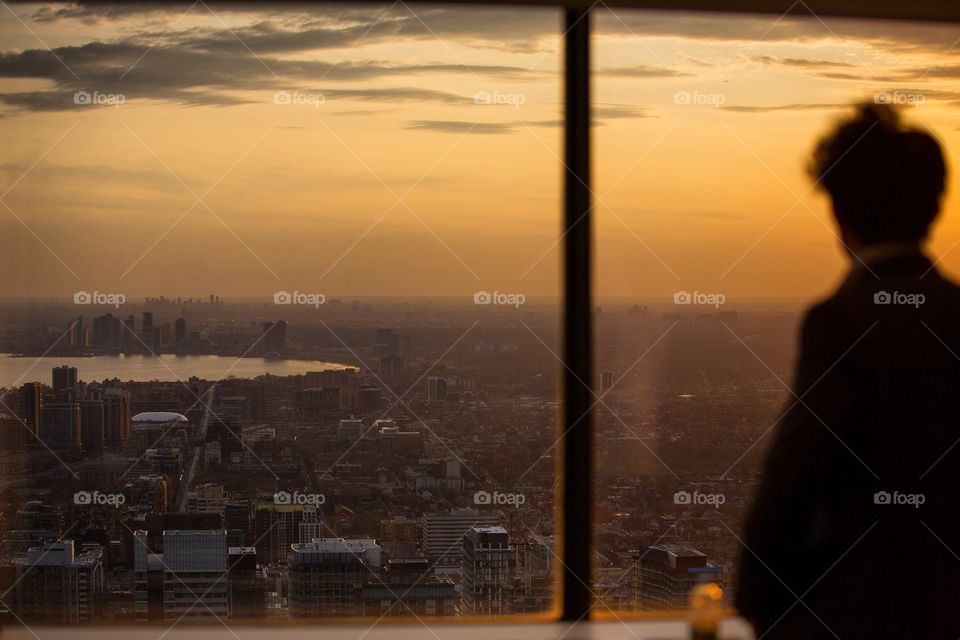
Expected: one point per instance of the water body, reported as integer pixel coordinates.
(17, 370)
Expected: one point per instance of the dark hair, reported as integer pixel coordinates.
(885, 179)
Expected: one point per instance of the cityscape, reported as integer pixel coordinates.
(411, 475)
(281, 317)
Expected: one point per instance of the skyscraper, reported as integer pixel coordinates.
(31, 399)
(326, 576)
(247, 589)
(56, 585)
(443, 534)
(665, 573)
(277, 526)
(92, 426)
(489, 567)
(116, 417)
(60, 426)
(107, 333)
(180, 333)
(274, 337)
(76, 333)
(194, 569)
(64, 381)
(436, 389)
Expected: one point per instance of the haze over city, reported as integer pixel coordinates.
(281, 315)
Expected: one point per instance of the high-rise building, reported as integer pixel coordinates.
(391, 365)
(116, 417)
(194, 571)
(55, 585)
(148, 493)
(443, 534)
(368, 398)
(405, 587)
(180, 333)
(436, 389)
(247, 588)
(92, 426)
(60, 426)
(326, 576)
(107, 333)
(13, 435)
(76, 333)
(665, 573)
(64, 381)
(31, 399)
(277, 526)
(150, 334)
(400, 537)
(237, 522)
(489, 568)
(37, 516)
(129, 336)
(603, 381)
(274, 337)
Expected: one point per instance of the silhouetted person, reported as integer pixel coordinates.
(857, 512)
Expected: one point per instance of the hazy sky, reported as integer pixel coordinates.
(415, 150)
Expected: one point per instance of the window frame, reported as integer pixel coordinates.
(576, 446)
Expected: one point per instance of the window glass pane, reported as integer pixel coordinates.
(711, 242)
(279, 311)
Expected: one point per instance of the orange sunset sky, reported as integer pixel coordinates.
(414, 150)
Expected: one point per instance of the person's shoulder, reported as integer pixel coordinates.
(826, 312)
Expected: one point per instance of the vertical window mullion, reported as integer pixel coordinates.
(577, 442)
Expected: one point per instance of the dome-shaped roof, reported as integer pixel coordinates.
(160, 416)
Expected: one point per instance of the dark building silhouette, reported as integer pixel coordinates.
(64, 381)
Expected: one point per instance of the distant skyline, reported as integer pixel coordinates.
(395, 150)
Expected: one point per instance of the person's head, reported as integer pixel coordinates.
(885, 179)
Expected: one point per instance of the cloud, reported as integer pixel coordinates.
(801, 62)
(609, 111)
(600, 114)
(641, 71)
(456, 126)
(191, 77)
(94, 173)
(396, 94)
(283, 27)
(800, 106)
(196, 66)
